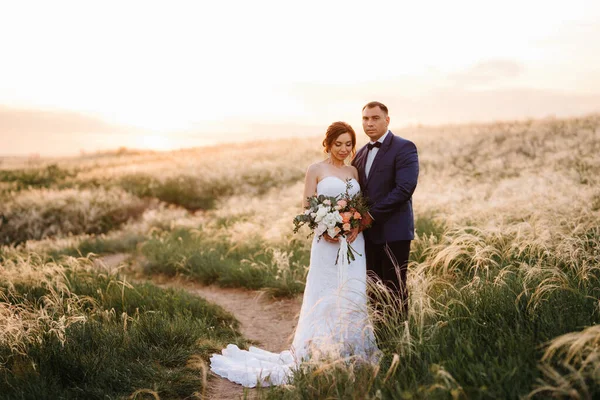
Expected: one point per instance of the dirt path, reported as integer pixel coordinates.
(270, 323)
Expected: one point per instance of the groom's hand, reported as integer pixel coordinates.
(366, 222)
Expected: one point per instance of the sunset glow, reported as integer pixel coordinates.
(156, 142)
(184, 66)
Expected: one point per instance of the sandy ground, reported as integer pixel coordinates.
(268, 322)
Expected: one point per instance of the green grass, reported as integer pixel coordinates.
(484, 332)
(134, 337)
(186, 191)
(210, 259)
(100, 244)
(36, 177)
(427, 225)
(488, 298)
(486, 346)
(198, 193)
(192, 192)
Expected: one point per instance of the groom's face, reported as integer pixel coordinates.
(375, 122)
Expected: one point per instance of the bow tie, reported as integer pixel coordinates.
(376, 144)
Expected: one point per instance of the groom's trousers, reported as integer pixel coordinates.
(388, 262)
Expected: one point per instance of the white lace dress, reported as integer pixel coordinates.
(333, 320)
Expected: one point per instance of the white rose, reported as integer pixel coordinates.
(329, 220)
(321, 212)
(332, 219)
(338, 216)
(320, 229)
(333, 231)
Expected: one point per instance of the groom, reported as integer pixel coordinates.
(388, 168)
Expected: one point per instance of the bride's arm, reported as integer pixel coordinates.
(310, 184)
(354, 172)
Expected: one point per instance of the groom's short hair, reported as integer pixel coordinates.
(374, 104)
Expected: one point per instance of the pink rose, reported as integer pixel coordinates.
(346, 217)
(347, 226)
(342, 203)
(357, 215)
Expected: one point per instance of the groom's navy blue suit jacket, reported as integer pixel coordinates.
(389, 188)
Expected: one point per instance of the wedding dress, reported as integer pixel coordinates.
(333, 319)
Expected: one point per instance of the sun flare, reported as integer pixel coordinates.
(155, 142)
(247, 65)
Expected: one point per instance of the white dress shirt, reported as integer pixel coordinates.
(372, 153)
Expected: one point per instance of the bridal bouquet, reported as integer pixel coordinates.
(336, 216)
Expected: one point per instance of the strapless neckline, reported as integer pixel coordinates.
(336, 177)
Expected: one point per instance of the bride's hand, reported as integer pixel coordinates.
(329, 239)
(353, 234)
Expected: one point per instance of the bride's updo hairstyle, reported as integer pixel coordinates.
(334, 131)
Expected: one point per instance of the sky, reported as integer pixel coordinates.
(85, 75)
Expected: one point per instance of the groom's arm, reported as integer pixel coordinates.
(358, 156)
(407, 173)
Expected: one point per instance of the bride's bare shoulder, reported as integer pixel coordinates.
(314, 170)
(316, 167)
(353, 171)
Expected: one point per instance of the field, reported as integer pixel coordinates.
(504, 277)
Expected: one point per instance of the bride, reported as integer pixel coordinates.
(333, 319)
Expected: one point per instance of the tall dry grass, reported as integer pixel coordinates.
(71, 329)
(571, 366)
(505, 263)
(40, 213)
(506, 260)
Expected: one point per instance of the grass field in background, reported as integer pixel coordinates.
(504, 278)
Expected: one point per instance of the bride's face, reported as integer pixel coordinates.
(341, 147)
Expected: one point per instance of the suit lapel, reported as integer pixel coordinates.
(382, 150)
